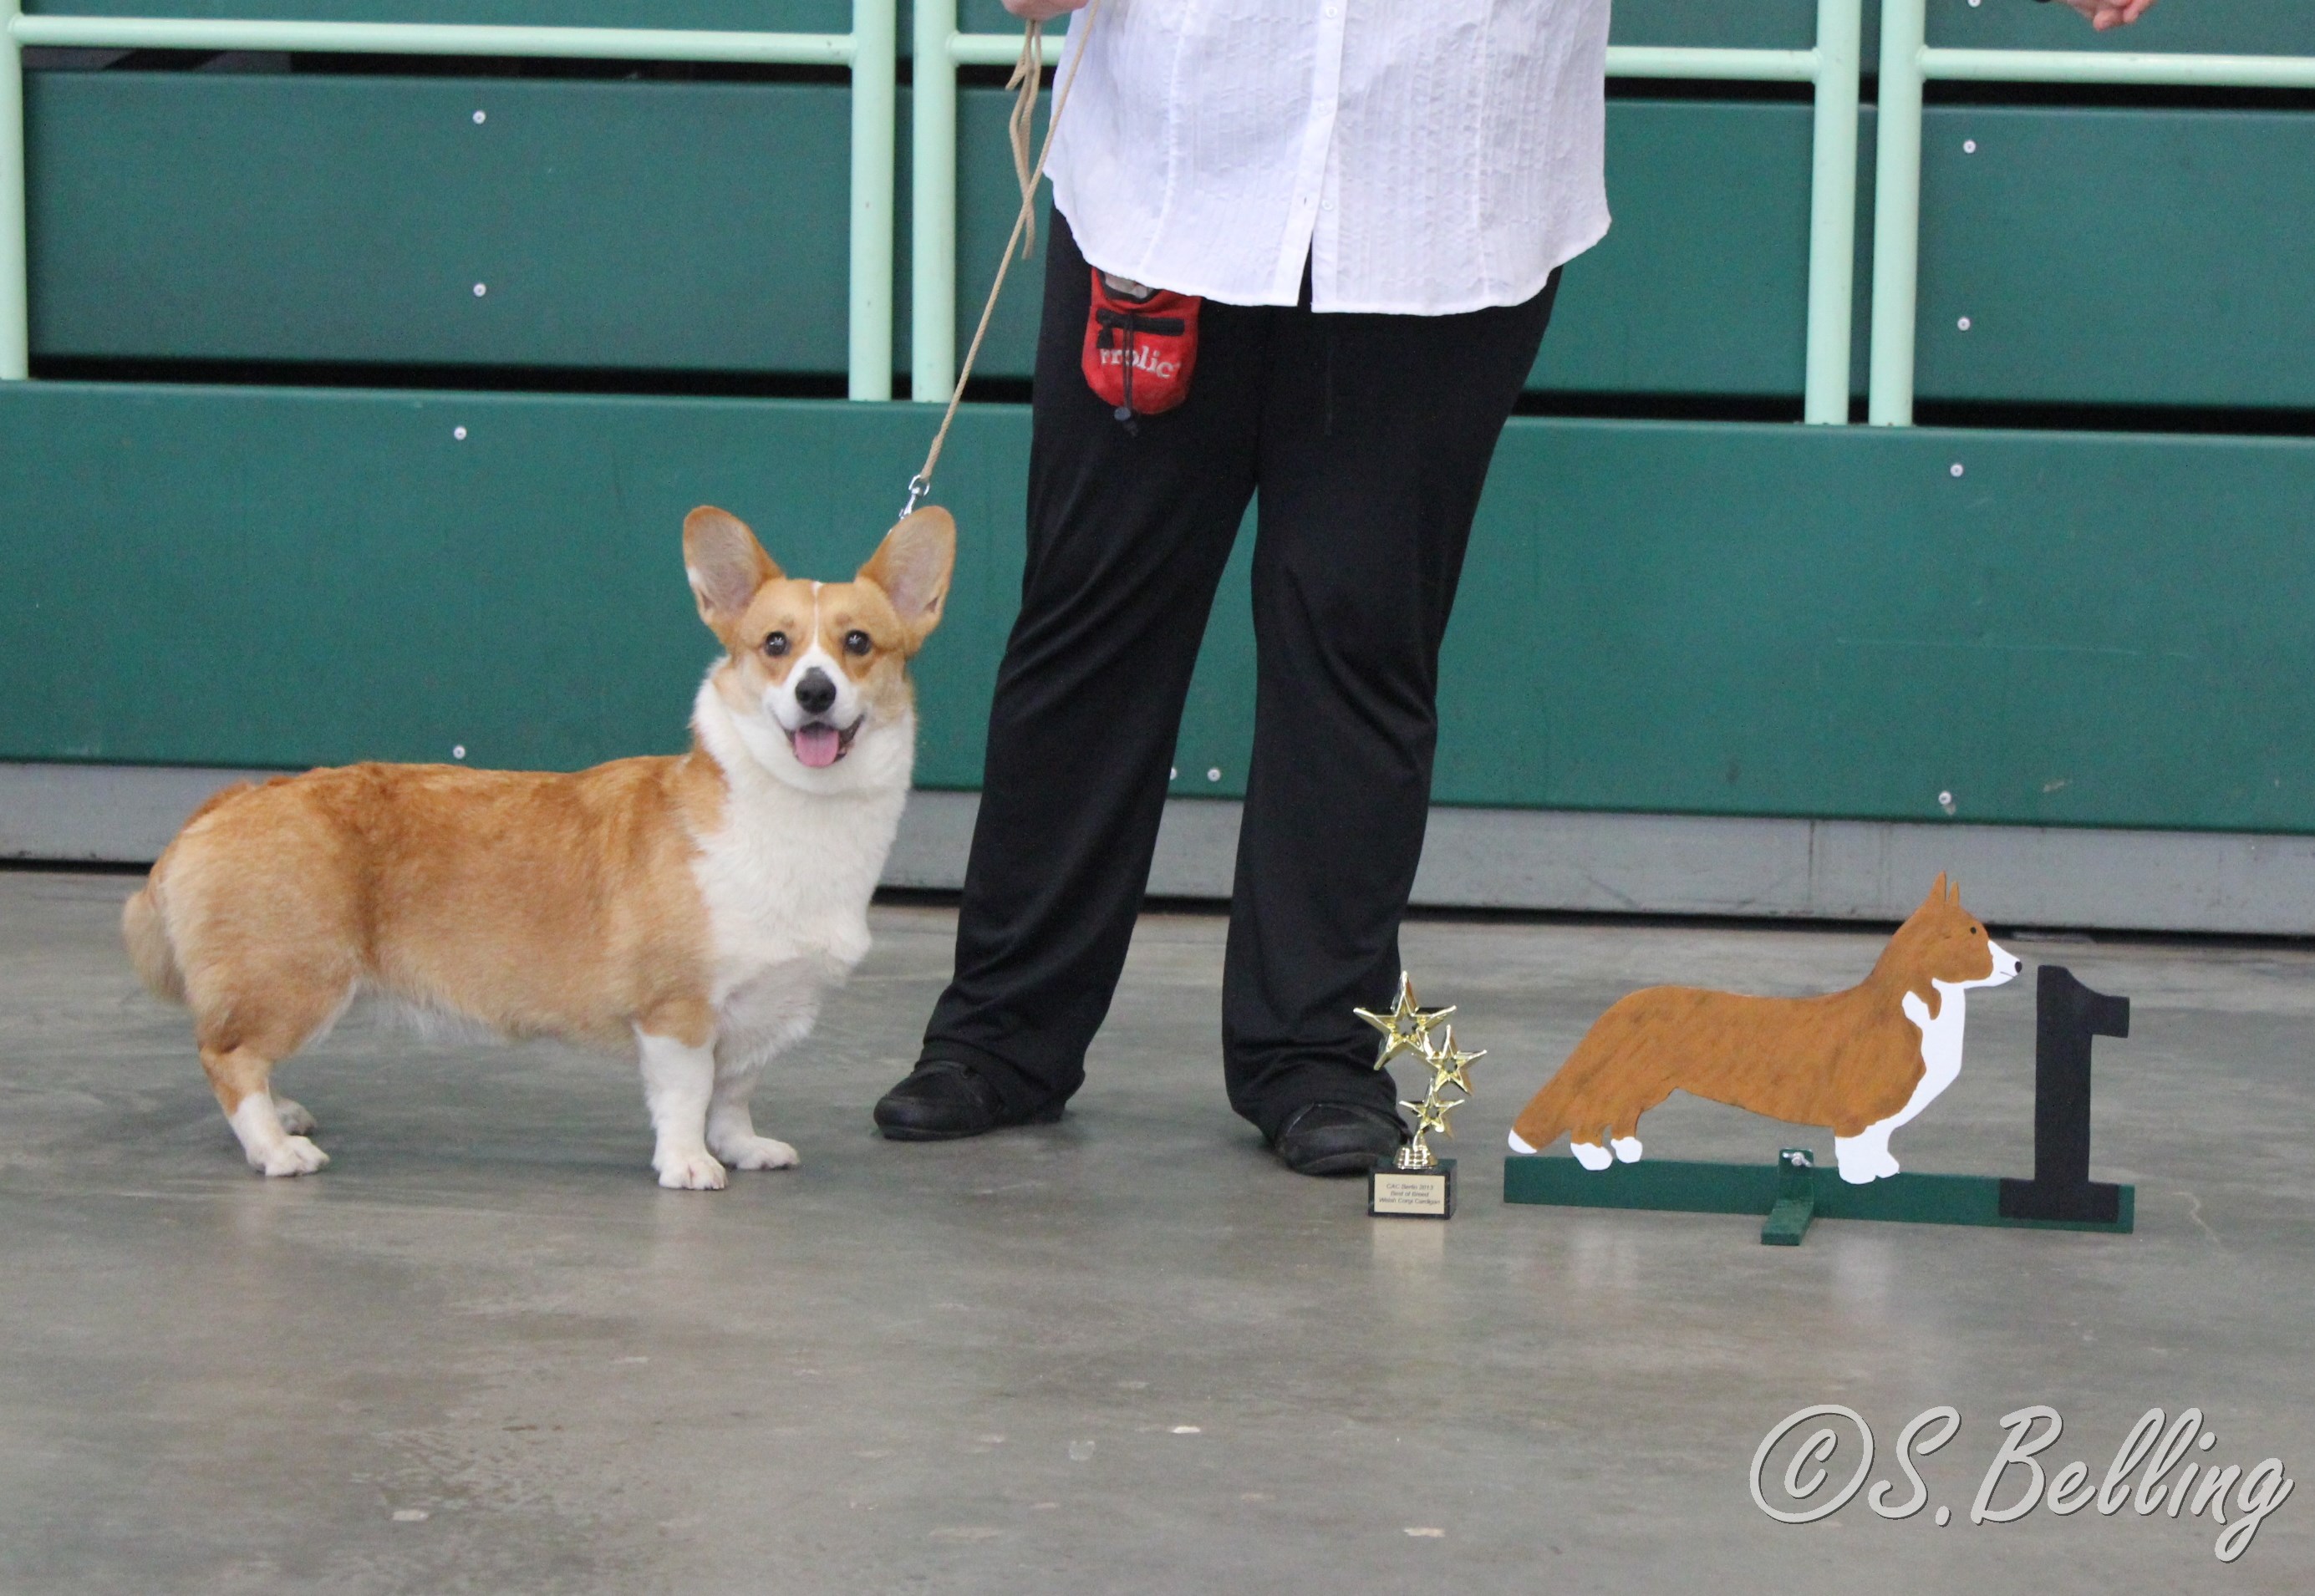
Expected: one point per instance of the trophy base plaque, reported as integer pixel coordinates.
(1427, 1194)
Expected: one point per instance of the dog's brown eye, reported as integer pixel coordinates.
(1974, 931)
(856, 642)
(777, 644)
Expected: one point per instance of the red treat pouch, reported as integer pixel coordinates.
(1140, 345)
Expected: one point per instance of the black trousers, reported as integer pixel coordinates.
(1367, 438)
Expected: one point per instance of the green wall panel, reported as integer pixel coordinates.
(1701, 285)
(349, 219)
(782, 16)
(1753, 25)
(2156, 257)
(2103, 256)
(2251, 27)
(1715, 620)
(701, 227)
(2222, 27)
(291, 578)
(2079, 629)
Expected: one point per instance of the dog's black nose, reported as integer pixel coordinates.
(815, 693)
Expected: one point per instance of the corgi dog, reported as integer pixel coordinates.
(1863, 1062)
(695, 907)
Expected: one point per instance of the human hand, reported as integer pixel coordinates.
(2102, 13)
(1045, 11)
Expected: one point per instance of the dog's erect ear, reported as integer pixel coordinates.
(1936, 898)
(725, 564)
(1953, 894)
(913, 566)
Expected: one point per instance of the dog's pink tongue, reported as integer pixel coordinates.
(816, 747)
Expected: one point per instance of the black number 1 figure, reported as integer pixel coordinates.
(2066, 1015)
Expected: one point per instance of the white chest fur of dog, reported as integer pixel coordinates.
(786, 878)
(698, 907)
(786, 881)
(1866, 1156)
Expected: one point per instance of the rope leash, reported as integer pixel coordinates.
(1028, 79)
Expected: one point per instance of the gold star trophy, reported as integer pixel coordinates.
(1419, 1184)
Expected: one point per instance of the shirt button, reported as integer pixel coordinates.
(1331, 11)
(1329, 205)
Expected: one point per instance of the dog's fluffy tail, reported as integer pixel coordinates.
(147, 936)
(142, 925)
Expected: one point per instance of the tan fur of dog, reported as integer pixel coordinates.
(1861, 1062)
(695, 907)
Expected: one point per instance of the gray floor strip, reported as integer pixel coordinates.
(1495, 858)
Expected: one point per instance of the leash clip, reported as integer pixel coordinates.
(919, 486)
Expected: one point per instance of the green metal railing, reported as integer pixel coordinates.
(870, 49)
(15, 299)
(1832, 66)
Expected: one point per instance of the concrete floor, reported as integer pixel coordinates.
(1129, 1353)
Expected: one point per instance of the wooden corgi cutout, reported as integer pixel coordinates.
(1863, 1062)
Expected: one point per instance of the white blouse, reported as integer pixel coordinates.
(1424, 156)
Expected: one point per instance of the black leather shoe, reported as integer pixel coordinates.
(1337, 1139)
(943, 1100)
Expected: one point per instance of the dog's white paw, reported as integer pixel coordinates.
(1626, 1149)
(294, 1156)
(1862, 1162)
(755, 1152)
(1518, 1145)
(294, 1118)
(689, 1172)
(1591, 1154)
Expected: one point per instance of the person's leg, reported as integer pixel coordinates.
(1128, 531)
(1375, 446)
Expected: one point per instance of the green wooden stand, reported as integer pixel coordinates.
(1791, 1192)
(1796, 1205)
